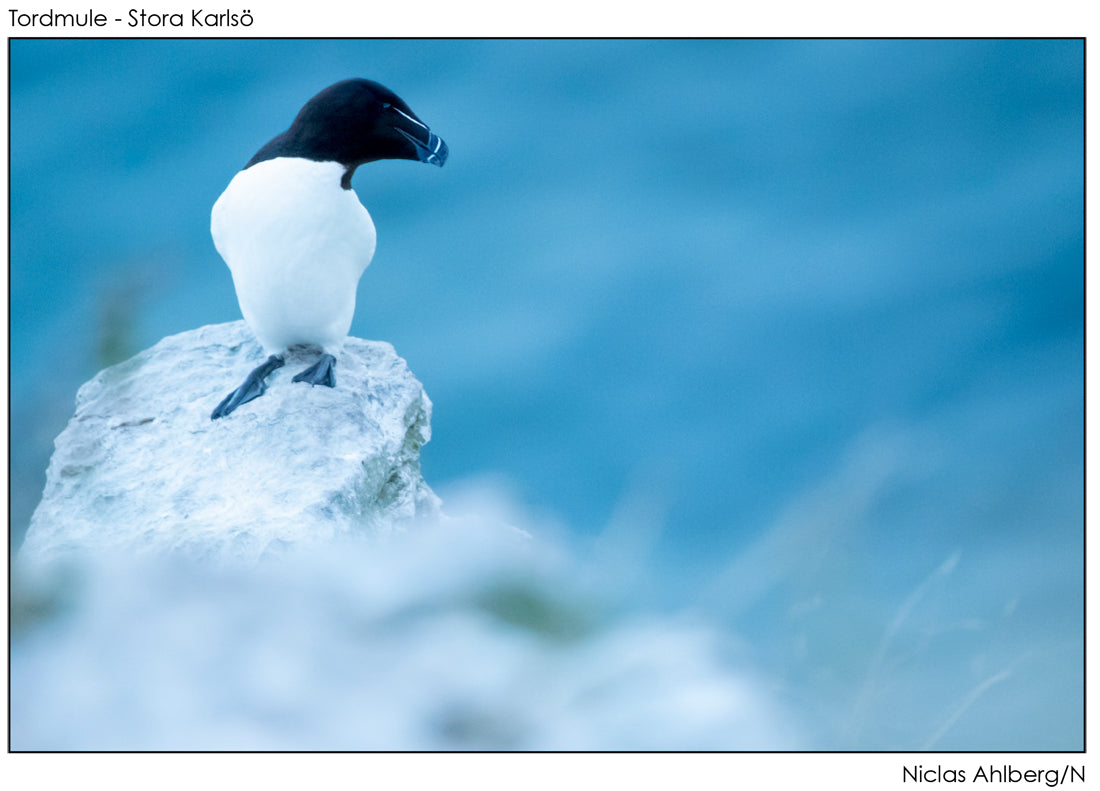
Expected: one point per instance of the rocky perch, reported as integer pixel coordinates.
(142, 467)
(210, 597)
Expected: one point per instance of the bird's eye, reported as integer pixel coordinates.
(386, 105)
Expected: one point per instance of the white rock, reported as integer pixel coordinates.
(142, 467)
(468, 632)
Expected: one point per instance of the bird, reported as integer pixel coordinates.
(293, 233)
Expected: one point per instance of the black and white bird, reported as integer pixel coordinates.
(293, 232)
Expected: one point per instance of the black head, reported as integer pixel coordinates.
(354, 122)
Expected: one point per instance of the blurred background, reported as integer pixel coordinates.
(789, 334)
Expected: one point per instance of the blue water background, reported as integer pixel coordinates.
(802, 320)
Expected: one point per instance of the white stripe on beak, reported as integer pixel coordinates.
(406, 115)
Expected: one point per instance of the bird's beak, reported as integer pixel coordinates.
(430, 147)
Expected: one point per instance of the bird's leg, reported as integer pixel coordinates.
(323, 372)
(253, 387)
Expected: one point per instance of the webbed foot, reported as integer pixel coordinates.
(323, 372)
(253, 387)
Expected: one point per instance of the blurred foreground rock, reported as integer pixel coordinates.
(457, 636)
(141, 467)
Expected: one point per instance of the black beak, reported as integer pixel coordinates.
(432, 149)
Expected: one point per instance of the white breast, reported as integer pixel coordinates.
(296, 244)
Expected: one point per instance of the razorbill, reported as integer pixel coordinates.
(293, 232)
